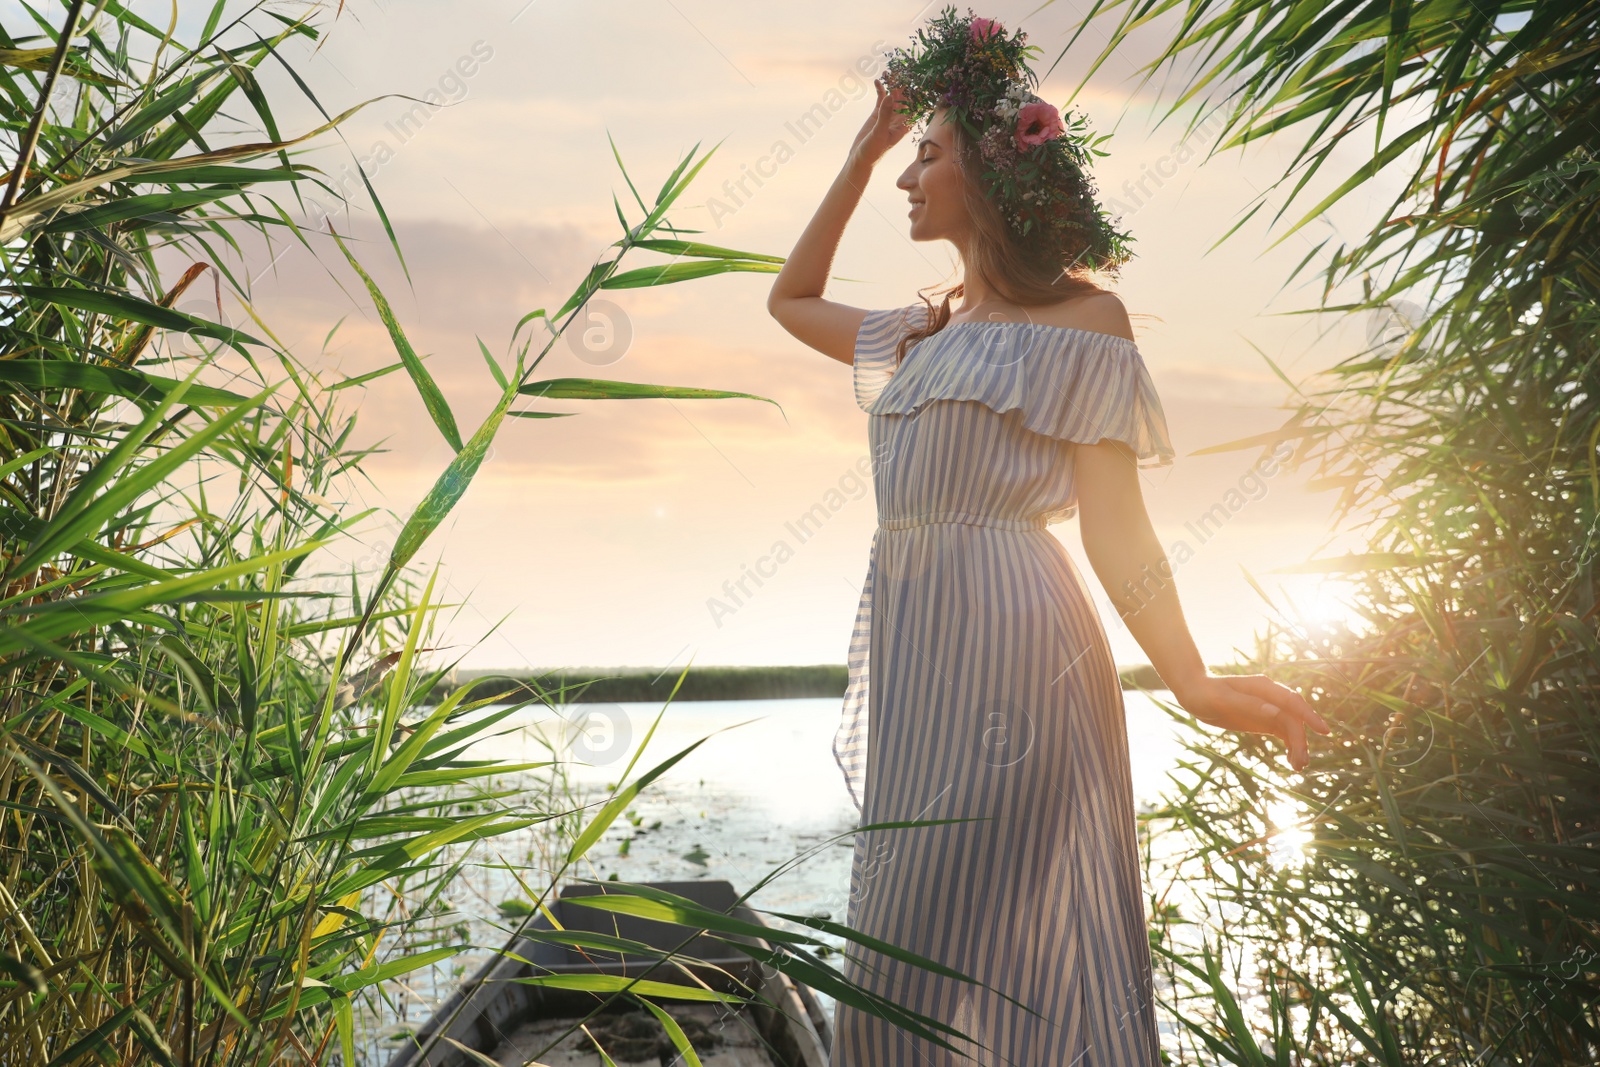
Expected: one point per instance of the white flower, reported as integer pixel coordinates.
(1012, 100)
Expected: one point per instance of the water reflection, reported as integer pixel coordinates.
(760, 789)
(775, 754)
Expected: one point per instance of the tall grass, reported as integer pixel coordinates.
(1429, 892)
(227, 800)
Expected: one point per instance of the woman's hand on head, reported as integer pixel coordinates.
(883, 129)
(1254, 703)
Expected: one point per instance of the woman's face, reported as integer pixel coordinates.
(933, 183)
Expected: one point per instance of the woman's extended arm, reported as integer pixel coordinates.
(1128, 559)
(796, 299)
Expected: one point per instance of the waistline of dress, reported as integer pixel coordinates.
(907, 522)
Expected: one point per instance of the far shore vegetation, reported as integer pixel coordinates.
(579, 685)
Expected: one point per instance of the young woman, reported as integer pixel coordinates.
(993, 698)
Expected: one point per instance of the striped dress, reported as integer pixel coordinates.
(982, 688)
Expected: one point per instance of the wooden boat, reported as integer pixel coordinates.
(506, 1022)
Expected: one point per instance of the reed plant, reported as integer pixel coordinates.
(229, 803)
(1429, 891)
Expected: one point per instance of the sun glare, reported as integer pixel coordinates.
(1289, 843)
(1318, 602)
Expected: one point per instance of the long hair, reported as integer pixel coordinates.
(1023, 270)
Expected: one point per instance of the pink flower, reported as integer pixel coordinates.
(983, 28)
(1037, 123)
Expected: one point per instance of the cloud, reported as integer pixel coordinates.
(472, 282)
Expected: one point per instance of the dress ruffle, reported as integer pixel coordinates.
(1070, 384)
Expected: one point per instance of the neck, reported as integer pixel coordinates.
(974, 290)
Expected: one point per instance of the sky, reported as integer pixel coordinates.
(610, 538)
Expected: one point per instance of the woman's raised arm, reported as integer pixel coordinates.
(796, 299)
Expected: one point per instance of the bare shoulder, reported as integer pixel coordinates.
(1102, 313)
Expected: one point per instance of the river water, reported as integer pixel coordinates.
(760, 790)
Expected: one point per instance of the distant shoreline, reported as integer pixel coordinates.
(592, 685)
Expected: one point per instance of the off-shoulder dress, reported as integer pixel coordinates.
(982, 688)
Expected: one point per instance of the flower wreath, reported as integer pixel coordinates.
(1037, 163)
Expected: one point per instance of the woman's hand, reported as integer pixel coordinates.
(1255, 704)
(883, 129)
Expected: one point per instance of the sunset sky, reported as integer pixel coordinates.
(606, 539)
